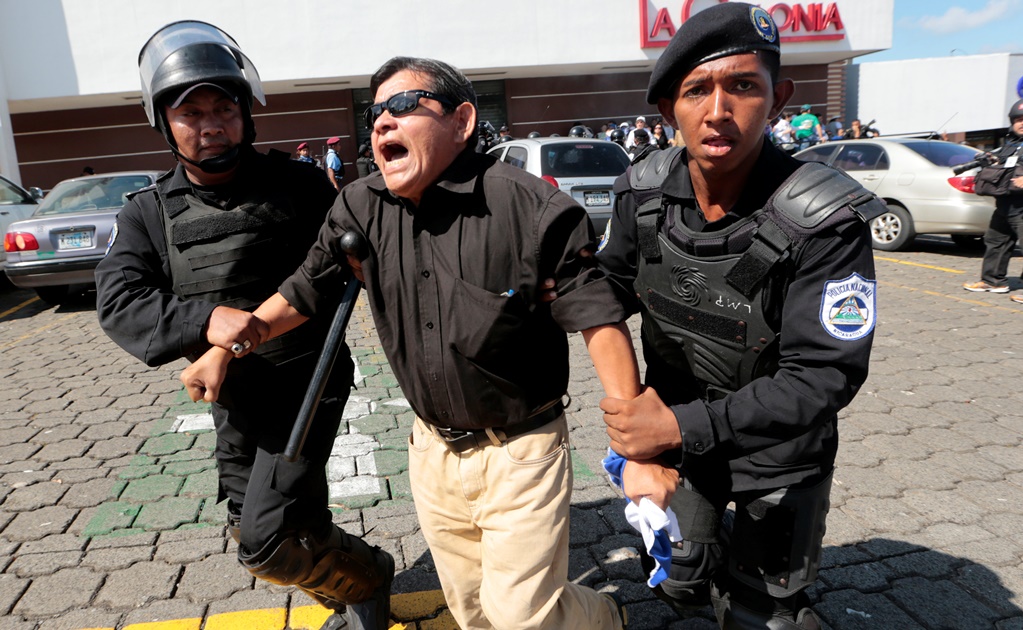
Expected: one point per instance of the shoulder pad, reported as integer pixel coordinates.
(816, 191)
(148, 188)
(649, 172)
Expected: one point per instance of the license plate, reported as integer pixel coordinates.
(597, 199)
(74, 240)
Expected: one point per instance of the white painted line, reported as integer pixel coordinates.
(193, 422)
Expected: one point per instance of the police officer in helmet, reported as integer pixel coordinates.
(618, 137)
(578, 131)
(189, 259)
(754, 276)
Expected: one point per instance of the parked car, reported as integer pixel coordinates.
(582, 167)
(914, 176)
(15, 203)
(59, 246)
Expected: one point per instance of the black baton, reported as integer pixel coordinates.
(353, 244)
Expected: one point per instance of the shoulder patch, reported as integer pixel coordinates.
(605, 237)
(113, 237)
(849, 307)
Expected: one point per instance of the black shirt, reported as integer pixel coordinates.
(136, 303)
(453, 282)
(781, 427)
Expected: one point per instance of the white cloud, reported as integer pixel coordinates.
(958, 19)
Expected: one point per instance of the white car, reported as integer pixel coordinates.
(15, 203)
(914, 176)
(585, 168)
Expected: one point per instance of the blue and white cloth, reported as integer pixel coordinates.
(659, 528)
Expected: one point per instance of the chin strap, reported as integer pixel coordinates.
(219, 164)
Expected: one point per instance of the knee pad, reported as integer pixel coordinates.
(335, 568)
(776, 544)
(696, 559)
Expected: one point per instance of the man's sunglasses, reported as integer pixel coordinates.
(402, 103)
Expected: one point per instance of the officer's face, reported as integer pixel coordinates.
(414, 149)
(206, 124)
(720, 108)
(1017, 126)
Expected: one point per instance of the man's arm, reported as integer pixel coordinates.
(203, 378)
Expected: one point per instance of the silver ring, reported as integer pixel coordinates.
(237, 348)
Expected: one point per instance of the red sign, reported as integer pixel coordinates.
(798, 22)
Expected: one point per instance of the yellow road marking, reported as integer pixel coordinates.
(266, 619)
(951, 297)
(177, 624)
(18, 307)
(36, 331)
(913, 264)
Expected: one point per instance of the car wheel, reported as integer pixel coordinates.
(972, 242)
(893, 230)
(52, 295)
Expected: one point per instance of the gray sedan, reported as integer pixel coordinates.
(915, 178)
(58, 248)
(15, 203)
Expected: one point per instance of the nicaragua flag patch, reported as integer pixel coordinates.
(849, 307)
(605, 237)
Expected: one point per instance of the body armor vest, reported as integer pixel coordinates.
(232, 257)
(704, 295)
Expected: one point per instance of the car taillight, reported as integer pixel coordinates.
(550, 180)
(20, 242)
(964, 183)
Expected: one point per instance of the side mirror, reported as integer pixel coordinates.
(36, 192)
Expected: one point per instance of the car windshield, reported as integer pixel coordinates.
(88, 195)
(11, 194)
(943, 153)
(582, 159)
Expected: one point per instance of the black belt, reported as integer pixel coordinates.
(459, 440)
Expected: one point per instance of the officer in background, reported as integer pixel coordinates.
(758, 308)
(333, 164)
(303, 153)
(364, 164)
(189, 258)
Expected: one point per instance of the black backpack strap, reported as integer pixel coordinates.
(645, 178)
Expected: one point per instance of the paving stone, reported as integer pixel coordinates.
(168, 513)
(929, 564)
(852, 610)
(182, 468)
(116, 558)
(38, 524)
(57, 434)
(213, 579)
(204, 484)
(115, 447)
(89, 494)
(942, 506)
(11, 589)
(993, 498)
(586, 526)
(54, 594)
(34, 497)
(77, 619)
(941, 604)
(867, 577)
(389, 463)
(29, 565)
(883, 515)
(188, 551)
(105, 430)
(167, 444)
(137, 585)
(873, 482)
(111, 516)
(123, 538)
(151, 488)
(60, 451)
(80, 475)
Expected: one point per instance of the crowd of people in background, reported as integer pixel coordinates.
(793, 132)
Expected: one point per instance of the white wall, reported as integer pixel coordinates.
(63, 49)
(971, 93)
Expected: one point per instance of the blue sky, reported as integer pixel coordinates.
(938, 28)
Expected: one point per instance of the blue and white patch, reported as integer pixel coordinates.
(764, 25)
(849, 307)
(113, 237)
(605, 237)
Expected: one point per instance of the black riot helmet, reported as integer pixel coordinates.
(533, 134)
(183, 55)
(577, 132)
(618, 136)
(504, 139)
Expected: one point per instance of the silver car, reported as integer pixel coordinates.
(15, 203)
(914, 176)
(584, 168)
(58, 248)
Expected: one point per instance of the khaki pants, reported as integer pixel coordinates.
(496, 521)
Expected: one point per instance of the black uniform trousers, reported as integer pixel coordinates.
(1000, 240)
(258, 404)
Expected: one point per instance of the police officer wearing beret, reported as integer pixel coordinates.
(190, 258)
(754, 277)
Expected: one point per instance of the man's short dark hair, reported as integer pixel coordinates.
(442, 78)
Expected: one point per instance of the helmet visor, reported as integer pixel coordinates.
(178, 35)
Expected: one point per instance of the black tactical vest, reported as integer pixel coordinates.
(233, 257)
(704, 294)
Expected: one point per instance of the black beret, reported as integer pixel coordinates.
(718, 31)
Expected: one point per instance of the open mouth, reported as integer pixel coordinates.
(717, 145)
(393, 151)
